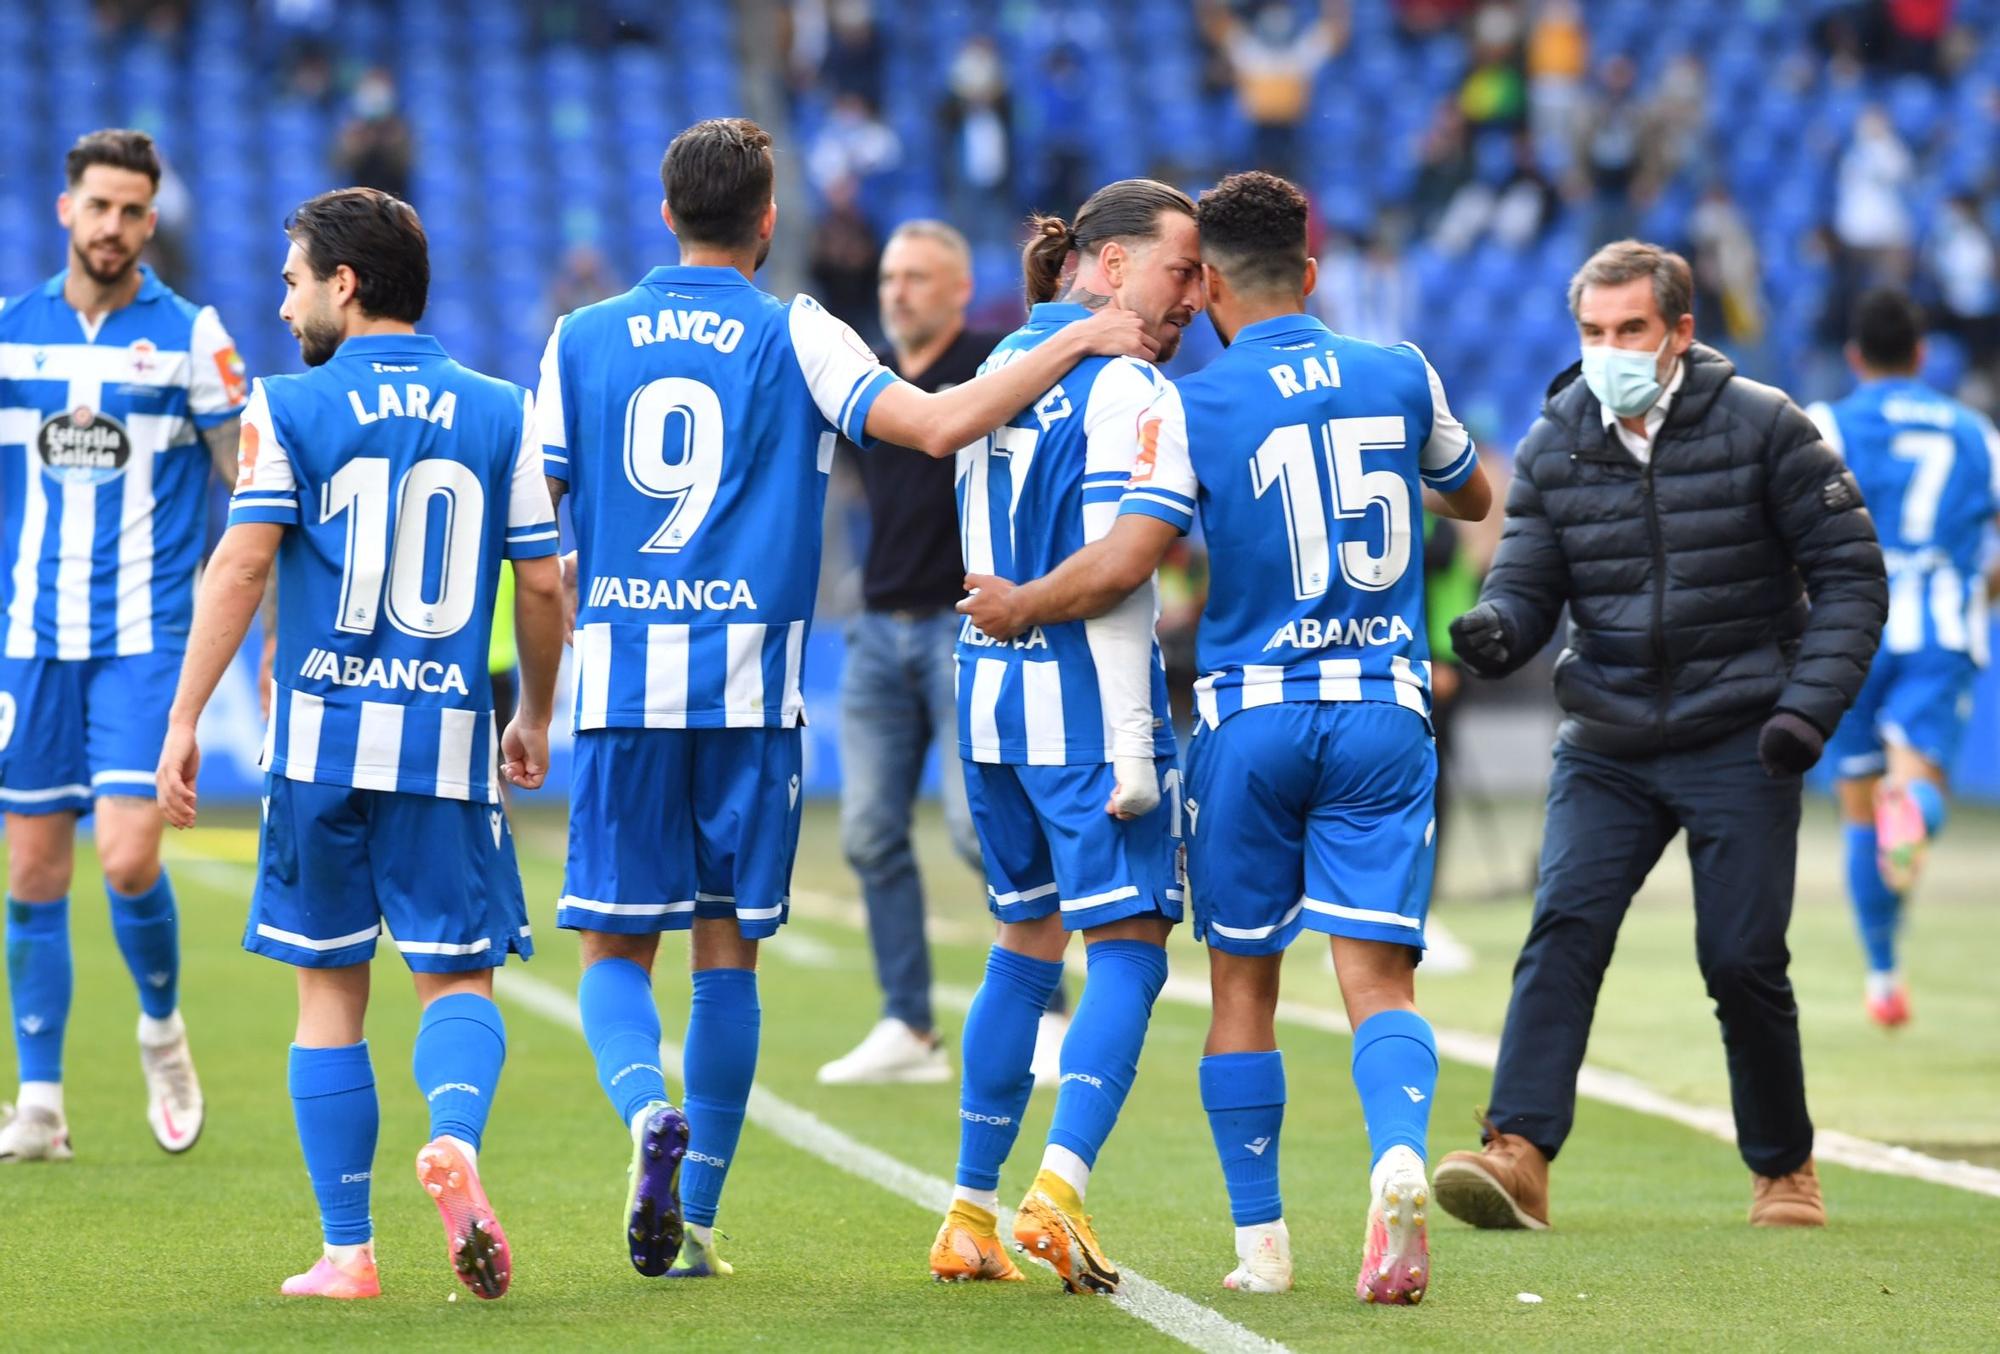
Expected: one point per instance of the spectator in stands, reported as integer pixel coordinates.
(1961, 261)
(897, 698)
(979, 115)
(1871, 214)
(836, 47)
(1444, 166)
(582, 279)
(845, 249)
(1055, 114)
(1512, 203)
(1725, 592)
(1494, 94)
(1612, 151)
(854, 145)
(1558, 59)
(1276, 62)
(375, 149)
(1364, 290)
(1728, 286)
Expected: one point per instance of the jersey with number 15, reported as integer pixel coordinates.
(694, 420)
(405, 479)
(1304, 452)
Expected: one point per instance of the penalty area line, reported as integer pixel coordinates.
(1181, 1318)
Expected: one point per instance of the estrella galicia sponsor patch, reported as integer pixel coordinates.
(83, 446)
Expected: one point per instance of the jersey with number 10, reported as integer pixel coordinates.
(1305, 449)
(694, 419)
(1929, 471)
(405, 479)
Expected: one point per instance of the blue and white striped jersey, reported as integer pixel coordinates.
(102, 473)
(406, 479)
(1031, 494)
(694, 419)
(1929, 471)
(1304, 449)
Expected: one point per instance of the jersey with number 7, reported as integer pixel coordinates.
(1304, 454)
(694, 420)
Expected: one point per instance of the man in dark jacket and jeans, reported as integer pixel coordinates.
(1684, 515)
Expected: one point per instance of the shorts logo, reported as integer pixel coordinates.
(7, 712)
(496, 818)
(795, 791)
(83, 446)
(1193, 812)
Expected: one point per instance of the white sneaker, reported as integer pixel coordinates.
(1263, 1259)
(33, 1134)
(173, 1094)
(892, 1052)
(1050, 1031)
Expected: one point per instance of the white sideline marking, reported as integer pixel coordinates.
(1161, 1308)
(1481, 1050)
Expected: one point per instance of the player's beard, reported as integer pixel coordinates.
(111, 277)
(319, 336)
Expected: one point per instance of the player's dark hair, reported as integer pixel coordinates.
(379, 237)
(119, 147)
(1129, 209)
(1887, 326)
(718, 176)
(1253, 232)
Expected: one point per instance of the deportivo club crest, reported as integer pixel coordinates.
(83, 446)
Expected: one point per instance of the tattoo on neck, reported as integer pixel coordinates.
(1089, 300)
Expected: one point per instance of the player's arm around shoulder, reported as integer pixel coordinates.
(939, 423)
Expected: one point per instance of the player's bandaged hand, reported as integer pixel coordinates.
(990, 606)
(1483, 639)
(1136, 787)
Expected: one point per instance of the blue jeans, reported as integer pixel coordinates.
(896, 700)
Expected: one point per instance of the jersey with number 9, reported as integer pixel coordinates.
(1304, 453)
(405, 479)
(694, 420)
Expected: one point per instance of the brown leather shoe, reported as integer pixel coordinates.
(1503, 1185)
(1780, 1200)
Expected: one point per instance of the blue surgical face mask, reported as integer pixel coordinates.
(1626, 381)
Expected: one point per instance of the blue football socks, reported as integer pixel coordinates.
(461, 1046)
(1244, 1094)
(998, 1053)
(622, 1026)
(1877, 907)
(1100, 1055)
(148, 933)
(725, 1022)
(1395, 1072)
(333, 1099)
(39, 981)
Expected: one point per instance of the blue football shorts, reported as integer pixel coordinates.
(74, 729)
(1050, 847)
(337, 865)
(666, 825)
(1921, 701)
(1312, 815)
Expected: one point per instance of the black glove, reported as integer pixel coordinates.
(1789, 744)
(1483, 639)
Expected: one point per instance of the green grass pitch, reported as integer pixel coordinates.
(128, 1248)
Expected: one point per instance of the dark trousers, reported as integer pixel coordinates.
(1609, 819)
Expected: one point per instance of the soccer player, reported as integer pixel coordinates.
(1309, 800)
(692, 421)
(388, 482)
(1067, 742)
(1929, 471)
(115, 397)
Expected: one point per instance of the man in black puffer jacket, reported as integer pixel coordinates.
(1685, 515)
